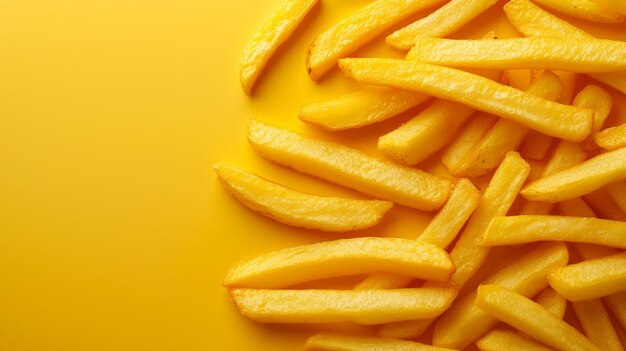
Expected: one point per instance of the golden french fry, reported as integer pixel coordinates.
(356, 30)
(349, 167)
(566, 155)
(616, 5)
(338, 342)
(604, 205)
(576, 208)
(596, 324)
(269, 38)
(360, 108)
(298, 209)
(512, 230)
(531, 319)
(502, 339)
(442, 22)
(341, 258)
(579, 180)
(531, 20)
(374, 306)
(611, 138)
(473, 132)
(591, 279)
(597, 99)
(536, 145)
(404, 329)
(567, 122)
(585, 9)
(617, 304)
(552, 301)
(464, 323)
(617, 191)
(574, 55)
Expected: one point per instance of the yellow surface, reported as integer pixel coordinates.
(114, 232)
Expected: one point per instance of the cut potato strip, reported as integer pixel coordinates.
(597, 99)
(579, 180)
(349, 167)
(589, 10)
(272, 35)
(360, 108)
(591, 279)
(375, 306)
(405, 329)
(531, 319)
(617, 304)
(356, 30)
(473, 132)
(597, 324)
(604, 205)
(514, 230)
(535, 146)
(338, 342)
(611, 138)
(575, 208)
(618, 6)
(573, 55)
(532, 21)
(384, 281)
(567, 122)
(464, 323)
(442, 22)
(552, 301)
(502, 339)
(298, 209)
(341, 258)
(566, 155)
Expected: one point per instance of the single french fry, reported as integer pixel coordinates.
(531, 319)
(464, 323)
(579, 180)
(536, 208)
(617, 191)
(502, 339)
(591, 279)
(573, 55)
(338, 342)
(617, 304)
(531, 21)
(360, 108)
(404, 329)
(616, 5)
(459, 150)
(576, 208)
(589, 10)
(384, 281)
(356, 30)
(512, 230)
(596, 324)
(597, 99)
(566, 155)
(567, 122)
(298, 209)
(507, 135)
(552, 301)
(442, 22)
(536, 146)
(269, 38)
(341, 258)
(331, 306)
(611, 138)
(349, 167)
(604, 205)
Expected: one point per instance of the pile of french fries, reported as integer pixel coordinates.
(572, 220)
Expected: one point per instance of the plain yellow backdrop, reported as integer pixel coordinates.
(114, 233)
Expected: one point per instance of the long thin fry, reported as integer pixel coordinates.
(596, 324)
(616, 5)
(617, 191)
(502, 339)
(567, 122)
(552, 301)
(611, 138)
(338, 342)
(459, 150)
(604, 205)
(585, 9)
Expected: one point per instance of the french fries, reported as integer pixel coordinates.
(615, 5)
(535, 146)
(337, 342)
(298, 209)
(459, 150)
(360, 108)
(603, 204)
(617, 191)
(356, 30)
(552, 301)
(269, 38)
(567, 122)
(591, 279)
(341, 258)
(611, 138)
(579, 180)
(514, 230)
(502, 339)
(442, 22)
(586, 9)
(597, 99)
(349, 167)
(367, 307)
(596, 324)
(531, 318)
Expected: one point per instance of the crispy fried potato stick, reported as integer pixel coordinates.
(349, 167)
(356, 30)
(567, 122)
(330, 306)
(603, 204)
(360, 108)
(597, 99)
(442, 22)
(459, 150)
(591, 279)
(464, 323)
(272, 35)
(513, 230)
(597, 324)
(338, 342)
(334, 214)
(531, 319)
(589, 10)
(343, 257)
(611, 138)
(531, 21)
(579, 180)
(502, 339)
(575, 208)
(552, 301)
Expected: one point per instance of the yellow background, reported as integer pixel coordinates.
(114, 233)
